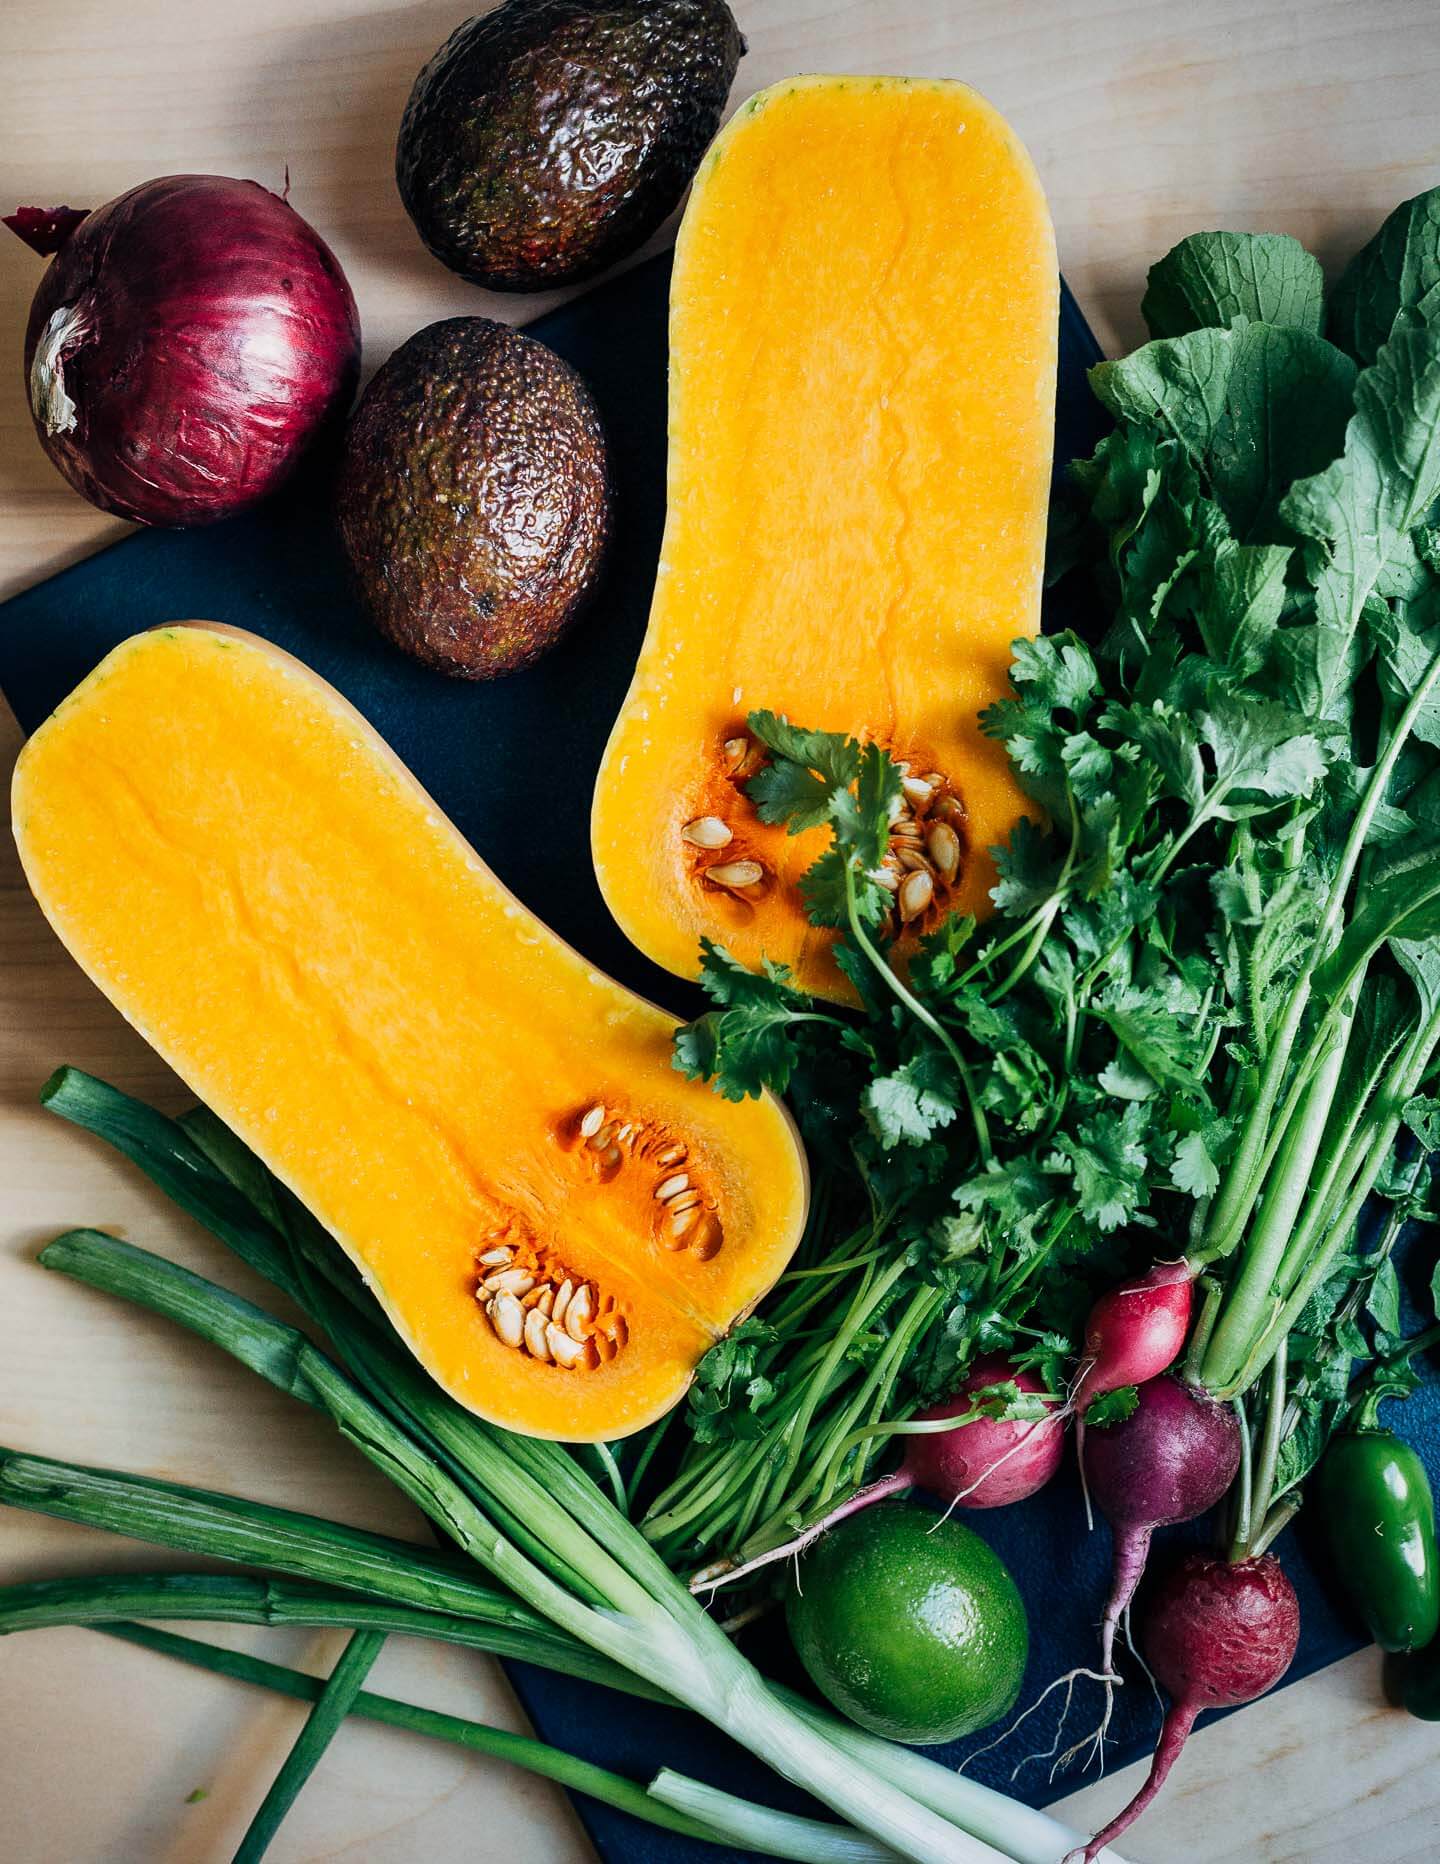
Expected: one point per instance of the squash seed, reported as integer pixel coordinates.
(592, 1122)
(564, 1351)
(509, 1281)
(943, 846)
(885, 877)
(950, 809)
(579, 1312)
(916, 790)
(912, 860)
(500, 1258)
(671, 1155)
(743, 757)
(916, 893)
(733, 875)
(707, 1238)
(562, 1301)
(507, 1317)
(672, 1186)
(707, 831)
(687, 1200)
(537, 1328)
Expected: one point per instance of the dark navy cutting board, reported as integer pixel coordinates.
(476, 748)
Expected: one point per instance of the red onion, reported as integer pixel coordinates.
(185, 346)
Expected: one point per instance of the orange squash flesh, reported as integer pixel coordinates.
(260, 886)
(862, 381)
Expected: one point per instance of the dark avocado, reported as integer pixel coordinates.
(549, 138)
(474, 498)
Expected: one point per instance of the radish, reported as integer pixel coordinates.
(1217, 1634)
(1135, 1332)
(992, 1461)
(1170, 1460)
(985, 1463)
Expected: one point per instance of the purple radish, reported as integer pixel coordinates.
(1135, 1332)
(1216, 1634)
(986, 1463)
(1170, 1460)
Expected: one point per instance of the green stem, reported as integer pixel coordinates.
(1241, 1187)
(510, 1631)
(520, 1750)
(922, 1015)
(1251, 1291)
(1204, 1328)
(332, 1704)
(1240, 1535)
(1380, 1131)
(1263, 1485)
(819, 1382)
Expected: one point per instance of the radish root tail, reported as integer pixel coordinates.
(1132, 1549)
(710, 1578)
(1173, 1737)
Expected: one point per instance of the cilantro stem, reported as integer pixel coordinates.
(922, 1015)
(819, 1381)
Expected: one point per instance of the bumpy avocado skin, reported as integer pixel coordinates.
(549, 138)
(473, 498)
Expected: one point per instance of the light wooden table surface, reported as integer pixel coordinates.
(1148, 120)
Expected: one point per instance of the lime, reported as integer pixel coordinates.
(909, 1624)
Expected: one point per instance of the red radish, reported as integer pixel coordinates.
(986, 1463)
(186, 344)
(993, 1461)
(1135, 1332)
(1217, 1634)
(1170, 1460)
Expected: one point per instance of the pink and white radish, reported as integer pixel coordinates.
(1171, 1459)
(978, 1462)
(1134, 1332)
(1217, 1634)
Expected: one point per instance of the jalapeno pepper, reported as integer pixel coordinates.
(1420, 1683)
(1380, 1519)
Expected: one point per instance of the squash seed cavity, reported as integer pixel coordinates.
(682, 1212)
(539, 1310)
(923, 861)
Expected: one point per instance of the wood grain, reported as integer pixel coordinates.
(1147, 121)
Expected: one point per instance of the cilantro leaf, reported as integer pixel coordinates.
(830, 753)
(1112, 1407)
(747, 1045)
(912, 1104)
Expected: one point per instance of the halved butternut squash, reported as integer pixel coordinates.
(863, 322)
(557, 1223)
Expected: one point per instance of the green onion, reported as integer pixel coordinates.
(521, 1750)
(333, 1703)
(508, 1630)
(653, 1626)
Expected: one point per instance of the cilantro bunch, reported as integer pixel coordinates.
(1203, 1018)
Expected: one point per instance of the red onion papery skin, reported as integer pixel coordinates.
(199, 335)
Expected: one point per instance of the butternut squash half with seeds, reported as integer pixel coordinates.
(556, 1222)
(863, 321)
